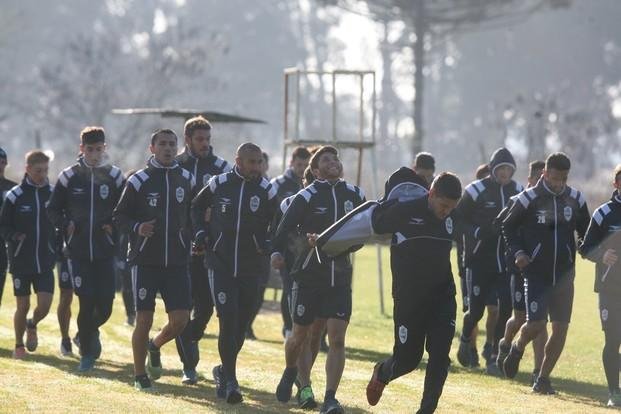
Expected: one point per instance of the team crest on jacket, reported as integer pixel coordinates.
(77, 281)
(104, 191)
(349, 206)
(142, 293)
(255, 202)
(64, 276)
(403, 334)
(567, 212)
(604, 315)
(222, 298)
(179, 193)
(301, 309)
(17, 283)
(449, 225)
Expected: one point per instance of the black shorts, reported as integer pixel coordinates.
(543, 299)
(96, 278)
(63, 271)
(517, 293)
(500, 291)
(232, 293)
(310, 303)
(610, 312)
(41, 282)
(482, 288)
(173, 283)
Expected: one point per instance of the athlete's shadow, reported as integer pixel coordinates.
(359, 354)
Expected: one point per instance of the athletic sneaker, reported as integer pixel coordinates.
(189, 377)
(87, 363)
(65, 347)
(492, 369)
(283, 390)
(614, 399)
(143, 383)
(220, 380)
(474, 357)
(487, 352)
(543, 386)
(19, 352)
(464, 352)
(154, 363)
(332, 406)
(375, 387)
(32, 340)
(534, 376)
(511, 364)
(306, 398)
(233, 393)
(503, 351)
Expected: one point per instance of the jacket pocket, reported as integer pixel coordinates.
(307, 260)
(535, 252)
(256, 243)
(215, 245)
(51, 249)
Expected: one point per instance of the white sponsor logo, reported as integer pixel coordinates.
(222, 298)
(449, 225)
(541, 217)
(604, 315)
(518, 296)
(534, 306)
(403, 334)
(301, 310)
(179, 194)
(104, 191)
(417, 221)
(568, 212)
(142, 293)
(78, 281)
(321, 210)
(25, 208)
(255, 202)
(349, 206)
(17, 283)
(490, 204)
(476, 290)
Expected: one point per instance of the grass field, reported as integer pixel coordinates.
(46, 382)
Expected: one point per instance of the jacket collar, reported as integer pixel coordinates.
(28, 182)
(188, 153)
(153, 163)
(83, 163)
(544, 187)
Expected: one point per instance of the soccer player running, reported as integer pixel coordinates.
(81, 206)
(154, 210)
(481, 203)
(31, 239)
(5, 186)
(322, 287)
(602, 244)
(539, 231)
(287, 185)
(198, 158)
(517, 289)
(242, 205)
(423, 288)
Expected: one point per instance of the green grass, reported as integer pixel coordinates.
(45, 382)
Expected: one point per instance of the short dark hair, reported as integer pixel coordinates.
(535, 168)
(558, 161)
(35, 157)
(425, 161)
(248, 147)
(196, 123)
(92, 135)
(326, 149)
(482, 171)
(447, 185)
(300, 152)
(162, 131)
(308, 176)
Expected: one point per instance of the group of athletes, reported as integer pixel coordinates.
(203, 233)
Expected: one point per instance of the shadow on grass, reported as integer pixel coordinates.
(203, 394)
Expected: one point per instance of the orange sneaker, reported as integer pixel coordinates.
(375, 388)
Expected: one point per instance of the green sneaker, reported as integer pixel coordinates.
(143, 383)
(154, 363)
(306, 398)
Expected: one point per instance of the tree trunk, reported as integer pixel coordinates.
(419, 62)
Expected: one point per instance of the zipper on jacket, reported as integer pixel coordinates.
(166, 222)
(239, 208)
(335, 220)
(555, 242)
(38, 231)
(502, 205)
(90, 238)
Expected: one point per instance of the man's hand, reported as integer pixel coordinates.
(522, 260)
(610, 257)
(107, 228)
(278, 262)
(312, 239)
(147, 229)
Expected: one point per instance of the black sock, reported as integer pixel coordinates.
(385, 371)
(330, 395)
(152, 346)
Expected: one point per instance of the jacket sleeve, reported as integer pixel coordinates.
(7, 213)
(582, 220)
(592, 247)
(56, 209)
(124, 214)
(200, 204)
(466, 208)
(497, 223)
(511, 226)
(290, 221)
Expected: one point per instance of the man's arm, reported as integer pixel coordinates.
(198, 209)
(591, 247)
(7, 227)
(57, 205)
(124, 212)
(510, 230)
